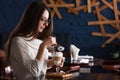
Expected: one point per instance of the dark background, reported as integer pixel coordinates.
(71, 29)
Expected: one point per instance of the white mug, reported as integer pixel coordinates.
(57, 57)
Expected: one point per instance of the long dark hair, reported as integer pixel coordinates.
(28, 25)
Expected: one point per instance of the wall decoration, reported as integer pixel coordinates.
(102, 20)
(55, 4)
(95, 7)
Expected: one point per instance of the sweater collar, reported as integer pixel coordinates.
(34, 43)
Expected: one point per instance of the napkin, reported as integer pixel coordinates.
(74, 51)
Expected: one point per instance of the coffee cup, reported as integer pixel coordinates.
(57, 57)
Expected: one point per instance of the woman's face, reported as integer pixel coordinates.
(43, 22)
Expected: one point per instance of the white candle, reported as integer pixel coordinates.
(7, 69)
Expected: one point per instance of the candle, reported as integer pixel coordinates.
(7, 69)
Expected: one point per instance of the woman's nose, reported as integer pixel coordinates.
(45, 24)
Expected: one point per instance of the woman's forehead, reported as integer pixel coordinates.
(45, 14)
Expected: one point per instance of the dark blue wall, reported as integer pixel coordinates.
(71, 29)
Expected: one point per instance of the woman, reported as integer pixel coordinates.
(28, 43)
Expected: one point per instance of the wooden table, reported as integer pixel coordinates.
(108, 65)
(88, 76)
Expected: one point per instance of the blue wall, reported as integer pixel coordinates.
(72, 27)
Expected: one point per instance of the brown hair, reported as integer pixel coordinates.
(28, 25)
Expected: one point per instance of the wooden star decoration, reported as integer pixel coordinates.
(102, 20)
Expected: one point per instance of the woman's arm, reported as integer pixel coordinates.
(20, 55)
(46, 43)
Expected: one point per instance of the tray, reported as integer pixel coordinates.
(62, 75)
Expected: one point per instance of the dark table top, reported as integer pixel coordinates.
(81, 76)
(91, 76)
(86, 76)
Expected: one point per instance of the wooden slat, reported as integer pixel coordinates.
(57, 5)
(102, 7)
(111, 39)
(89, 6)
(105, 19)
(114, 9)
(103, 22)
(55, 9)
(116, 13)
(110, 6)
(77, 2)
(61, 5)
(84, 7)
(107, 5)
(93, 3)
(100, 34)
(70, 9)
(81, 7)
(99, 18)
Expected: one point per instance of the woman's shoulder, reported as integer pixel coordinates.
(18, 40)
(27, 41)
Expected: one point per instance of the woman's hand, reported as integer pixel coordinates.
(51, 62)
(46, 43)
(62, 62)
(49, 41)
